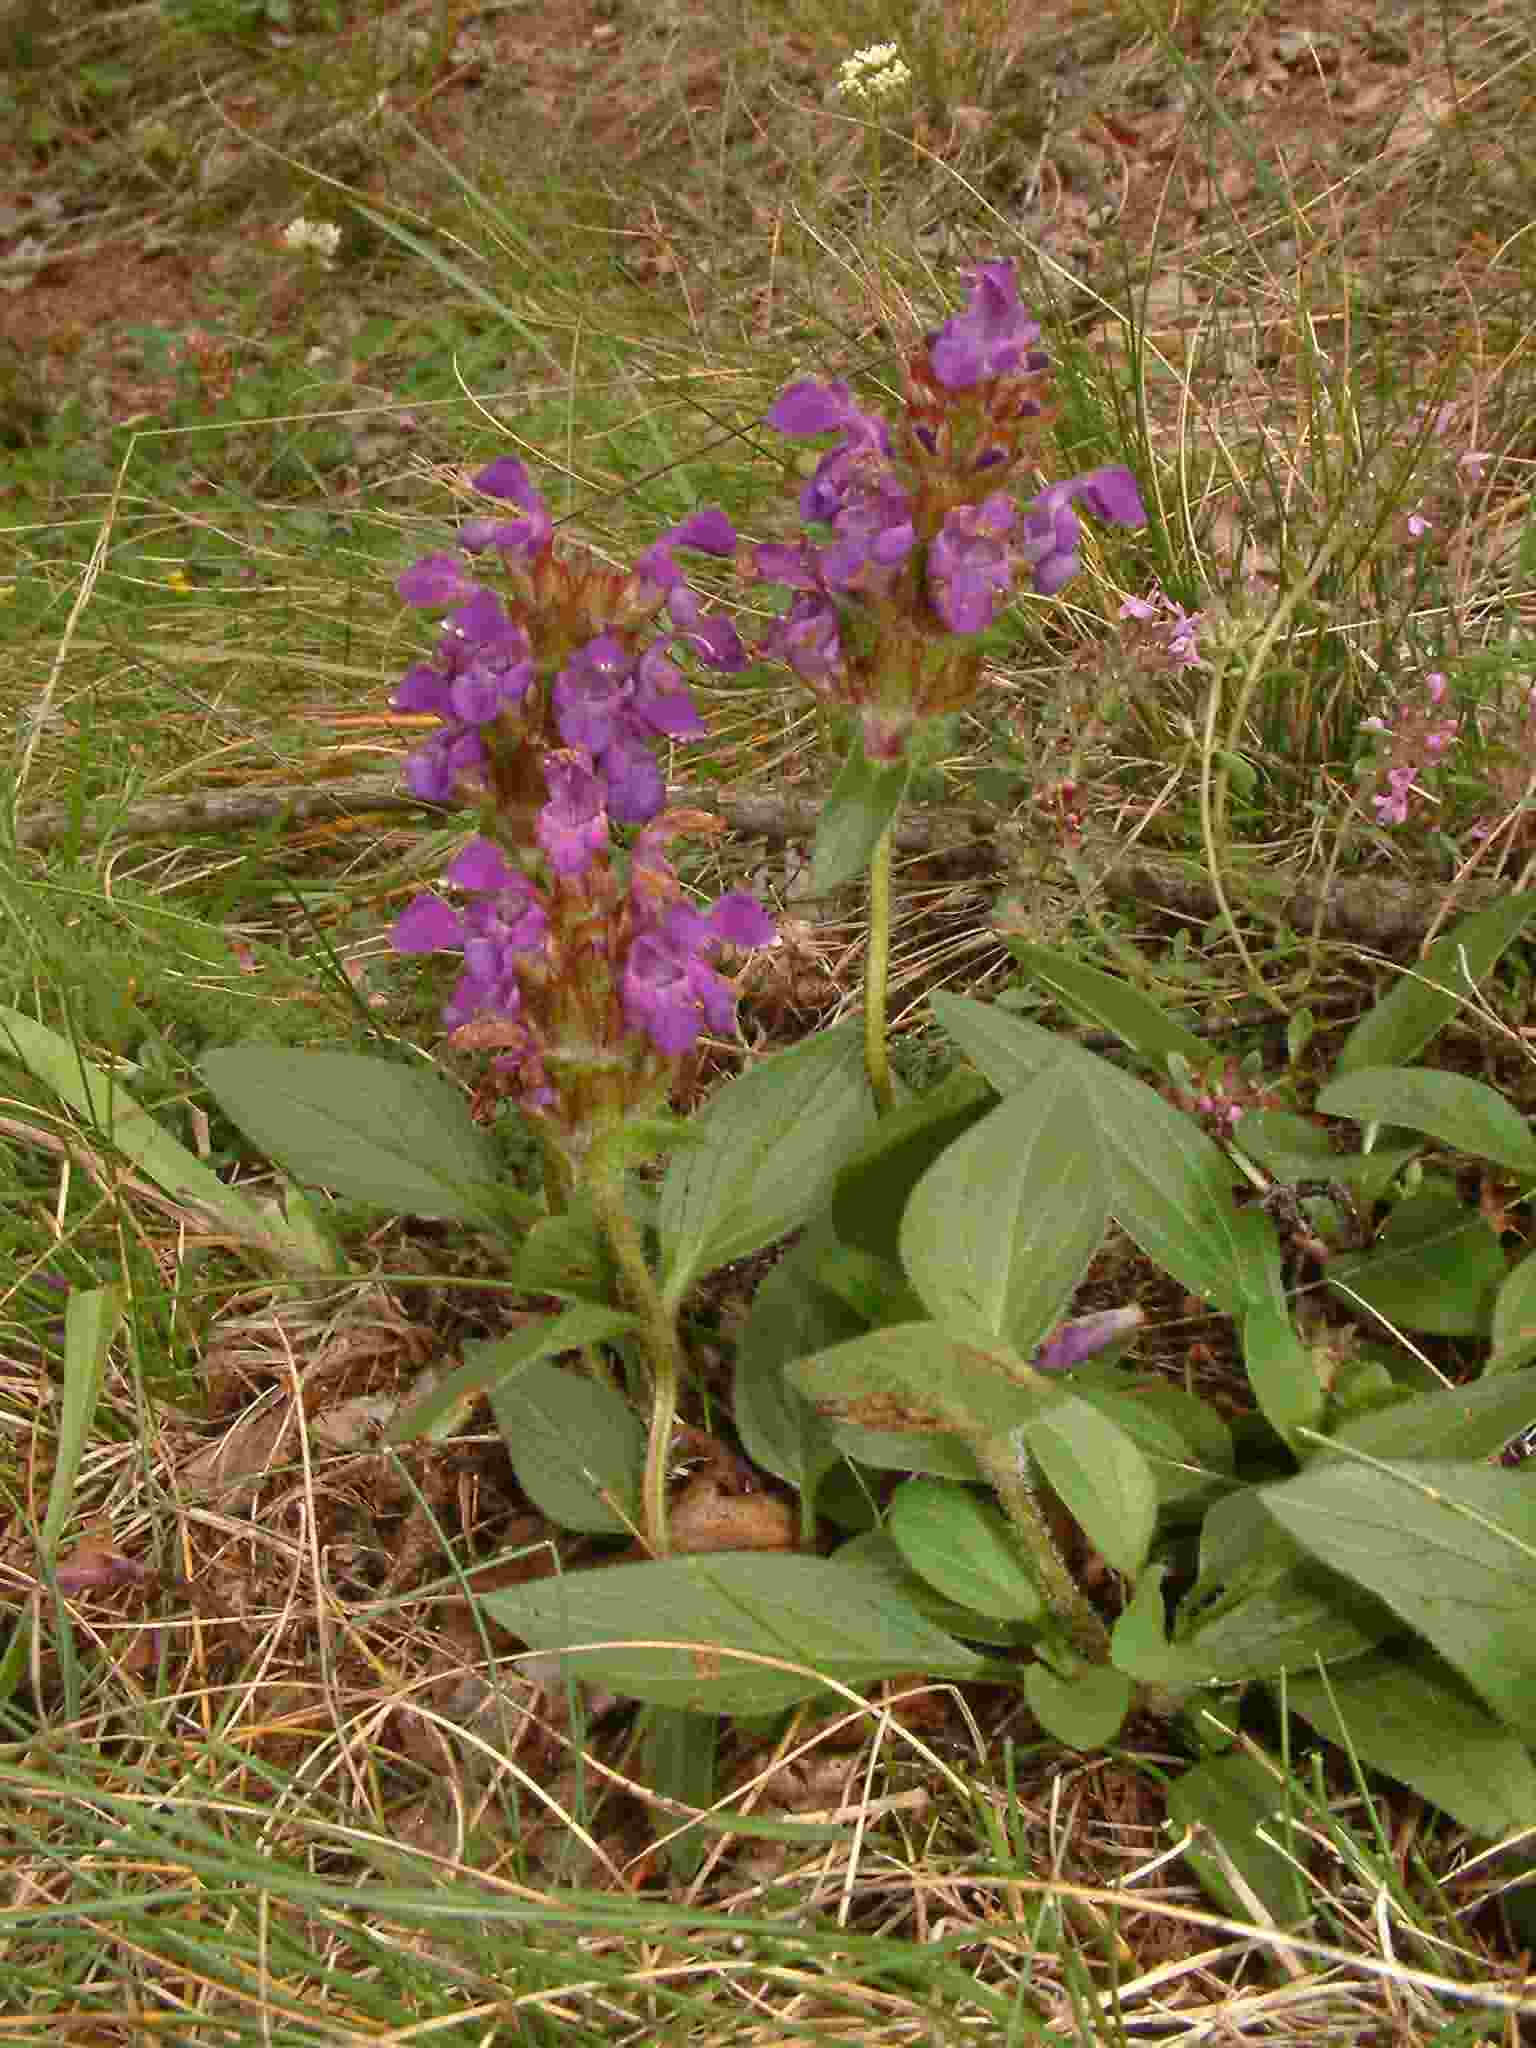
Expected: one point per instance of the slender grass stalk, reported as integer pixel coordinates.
(877, 976)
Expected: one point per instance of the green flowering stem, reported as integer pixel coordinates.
(658, 1341)
(877, 974)
(1063, 1595)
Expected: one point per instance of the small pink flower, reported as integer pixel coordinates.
(1418, 525)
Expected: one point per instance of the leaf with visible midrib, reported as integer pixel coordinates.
(1450, 1548)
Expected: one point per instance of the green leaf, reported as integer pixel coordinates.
(1409, 1715)
(1293, 1148)
(567, 1256)
(774, 1140)
(1169, 1186)
(864, 800)
(1187, 1446)
(441, 1410)
(1100, 1477)
(1427, 996)
(1103, 1000)
(1456, 1422)
(111, 1113)
(1262, 1604)
(577, 1447)
(936, 1452)
(1450, 1548)
(965, 1547)
(1281, 1371)
(1139, 1644)
(876, 1553)
(399, 1137)
(918, 1376)
(1514, 1319)
(743, 1633)
(1230, 1798)
(91, 1319)
(1437, 1266)
(678, 1753)
(1464, 1114)
(791, 1317)
(872, 1189)
(876, 1290)
(1000, 1229)
(1084, 1711)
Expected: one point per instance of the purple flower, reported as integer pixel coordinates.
(483, 667)
(1073, 1342)
(991, 338)
(572, 828)
(507, 478)
(707, 529)
(806, 639)
(669, 990)
(1052, 532)
(613, 707)
(435, 581)
(502, 926)
(970, 570)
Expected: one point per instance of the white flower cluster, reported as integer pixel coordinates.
(873, 73)
(323, 236)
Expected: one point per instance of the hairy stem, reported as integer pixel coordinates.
(1063, 1595)
(658, 1341)
(877, 974)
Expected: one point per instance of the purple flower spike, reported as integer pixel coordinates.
(1074, 1342)
(435, 581)
(572, 828)
(991, 338)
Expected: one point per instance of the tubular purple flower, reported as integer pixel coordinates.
(1052, 533)
(669, 990)
(1075, 1341)
(806, 639)
(993, 337)
(970, 569)
(507, 478)
(572, 828)
(435, 581)
(811, 408)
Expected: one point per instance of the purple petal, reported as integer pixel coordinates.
(1111, 494)
(481, 865)
(423, 688)
(434, 581)
(740, 920)
(1075, 1341)
(429, 925)
(810, 408)
(707, 529)
(636, 791)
